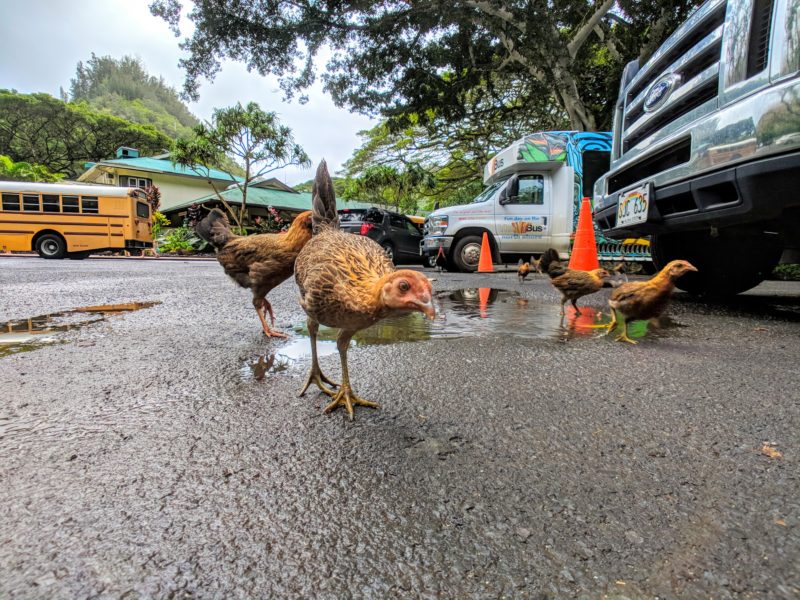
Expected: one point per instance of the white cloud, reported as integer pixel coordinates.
(43, 40)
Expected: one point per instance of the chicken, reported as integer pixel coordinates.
(347, 282)
(523, 270)
(259, 262)
(571, 283)
(441, 260)
(639, 300)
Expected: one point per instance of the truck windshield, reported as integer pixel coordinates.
(487, 193)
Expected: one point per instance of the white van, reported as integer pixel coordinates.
(530, 204)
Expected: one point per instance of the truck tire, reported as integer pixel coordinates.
(727, 264)
(51, 245)
(467, 253)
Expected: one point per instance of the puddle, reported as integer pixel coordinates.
(23, 335)
(470, 312)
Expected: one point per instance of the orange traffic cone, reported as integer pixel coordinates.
(584, 249)
(485, 261)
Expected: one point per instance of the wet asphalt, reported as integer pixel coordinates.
(144, 456)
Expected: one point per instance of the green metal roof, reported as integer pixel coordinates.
(278, 199)
(164, 165)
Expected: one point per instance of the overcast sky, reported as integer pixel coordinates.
(41, 42)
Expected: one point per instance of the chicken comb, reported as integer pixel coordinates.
(323, 201)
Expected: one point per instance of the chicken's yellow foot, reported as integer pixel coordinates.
(624, 336)
(345, 397)
(316, 376)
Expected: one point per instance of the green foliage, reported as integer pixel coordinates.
(122, 87)
(787, 272)
(159, 222)
(272, 222)
(23, 171)
(404, 58)
(177, 240)
(255, 139)
(40, 129)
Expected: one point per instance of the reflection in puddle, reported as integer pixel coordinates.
(470, 312)
(28, 334)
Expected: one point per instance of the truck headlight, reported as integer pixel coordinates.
(438, 225)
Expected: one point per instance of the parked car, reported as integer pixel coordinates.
(398, 236)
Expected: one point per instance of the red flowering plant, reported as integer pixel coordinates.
(271, 223)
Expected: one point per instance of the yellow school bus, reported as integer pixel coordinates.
(60, 220)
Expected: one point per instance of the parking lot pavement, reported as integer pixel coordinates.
(162, 451)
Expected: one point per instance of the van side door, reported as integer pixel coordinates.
(523, 213)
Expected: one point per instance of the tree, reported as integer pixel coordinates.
(400, 189)
(23, 171)
(40, 129)
(255, 140)
(123, 88)
(403, 58)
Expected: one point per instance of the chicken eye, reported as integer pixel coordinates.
(403, 286)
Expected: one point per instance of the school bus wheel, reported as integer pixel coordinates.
(51, 245)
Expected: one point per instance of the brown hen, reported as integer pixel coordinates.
(259, 262)
(572, 284)
(346, 281)
(639, 300)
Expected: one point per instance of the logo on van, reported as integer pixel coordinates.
(659, 92)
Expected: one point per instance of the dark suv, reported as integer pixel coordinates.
(396, 234)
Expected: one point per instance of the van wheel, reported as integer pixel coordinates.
(727, 264)
(388, 250)
(467, 253)
(51, 245)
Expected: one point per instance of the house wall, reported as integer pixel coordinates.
(174, 189)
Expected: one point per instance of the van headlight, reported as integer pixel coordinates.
(438, 225)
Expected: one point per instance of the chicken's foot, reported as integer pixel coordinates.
(575, 306)
(261, 308)
(624, 337)
(345, 396)
(315, 375)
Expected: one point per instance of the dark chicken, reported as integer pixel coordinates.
(346, 281)
(259, 262)
(572, 284)
(640, 300)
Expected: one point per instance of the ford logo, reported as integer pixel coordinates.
(659, 92)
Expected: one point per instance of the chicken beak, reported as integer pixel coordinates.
(427, 309)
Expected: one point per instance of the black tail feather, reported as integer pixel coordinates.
(550, 263)
(323, 201)
(215, 229)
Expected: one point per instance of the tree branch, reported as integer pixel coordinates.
(583, 33)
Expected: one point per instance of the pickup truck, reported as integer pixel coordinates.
(706, 146)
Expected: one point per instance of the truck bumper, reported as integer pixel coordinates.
(431, 244)
(749, 193)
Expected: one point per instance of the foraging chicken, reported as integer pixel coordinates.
(441, 259)
(259, 262)
(639, 300)
(571, 283)
(523, 270)
(347, 282)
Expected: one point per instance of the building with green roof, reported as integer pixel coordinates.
(176, 183)
(260, 196)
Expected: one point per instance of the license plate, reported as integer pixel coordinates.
(633, 205)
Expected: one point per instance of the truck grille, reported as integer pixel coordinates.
(687, 65)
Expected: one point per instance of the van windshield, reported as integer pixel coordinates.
(488, 192)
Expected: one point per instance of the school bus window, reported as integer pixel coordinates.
(142, 210)
(10, 201)
(51, 203)
(69, 204)
(30, 202)
(89, 205)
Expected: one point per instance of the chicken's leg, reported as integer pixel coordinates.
(316, 375)
(563, 302)
(262, 305)
(345, 396)
(613, 323)
(575, 306)
(624, 337)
